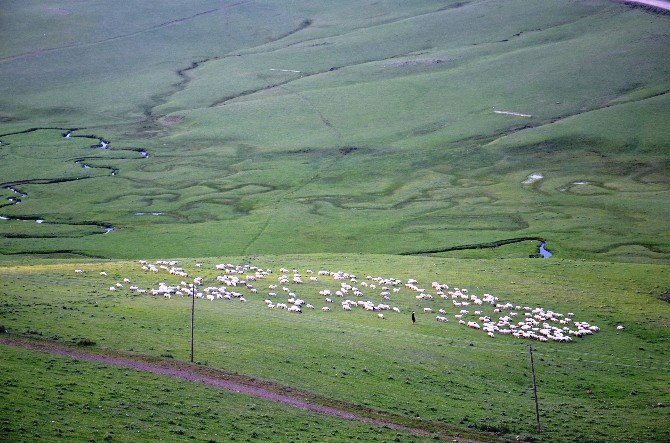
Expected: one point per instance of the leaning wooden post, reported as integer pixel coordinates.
(537, 406)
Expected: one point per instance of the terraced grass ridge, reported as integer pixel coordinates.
(455, 142)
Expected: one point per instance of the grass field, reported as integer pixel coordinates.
(94, 402)
(402, 140)
(385, 141)
(611, 386)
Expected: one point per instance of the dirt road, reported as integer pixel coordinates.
(243, 385)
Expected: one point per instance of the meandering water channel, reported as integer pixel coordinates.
(16, 199)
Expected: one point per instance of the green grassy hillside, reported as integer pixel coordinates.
(275, 129)
(433, 139)
(609, 386)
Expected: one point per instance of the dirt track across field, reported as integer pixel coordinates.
(243, 385)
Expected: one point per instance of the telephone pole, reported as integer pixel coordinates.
(537, 406)
(192, 318)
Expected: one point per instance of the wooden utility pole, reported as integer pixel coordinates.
(192, 318)
(537, 406)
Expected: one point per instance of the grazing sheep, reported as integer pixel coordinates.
(521, 322)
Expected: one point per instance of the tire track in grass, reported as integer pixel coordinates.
(121, 36)
(247, 385)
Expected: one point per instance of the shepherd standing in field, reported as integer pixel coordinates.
(413, 318)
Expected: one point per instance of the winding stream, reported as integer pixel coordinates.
(69, 133)
(542, 250)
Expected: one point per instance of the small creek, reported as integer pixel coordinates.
(69, 133)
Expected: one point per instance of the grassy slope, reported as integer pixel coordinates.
(446, 373)
(88, 401)
(395, 149)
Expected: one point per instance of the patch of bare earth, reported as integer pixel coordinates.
(242, 384)
(171, 120)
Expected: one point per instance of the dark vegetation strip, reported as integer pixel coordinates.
(262, 50)
(185, 79)
(68, 252)
(304, 25)
(45, 181)
(650, 246)
(226, 99)
(248, 385)
(493, 244)
(26, 131)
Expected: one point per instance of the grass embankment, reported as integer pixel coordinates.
(611, 386)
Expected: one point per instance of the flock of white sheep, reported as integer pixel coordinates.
(287, 289)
